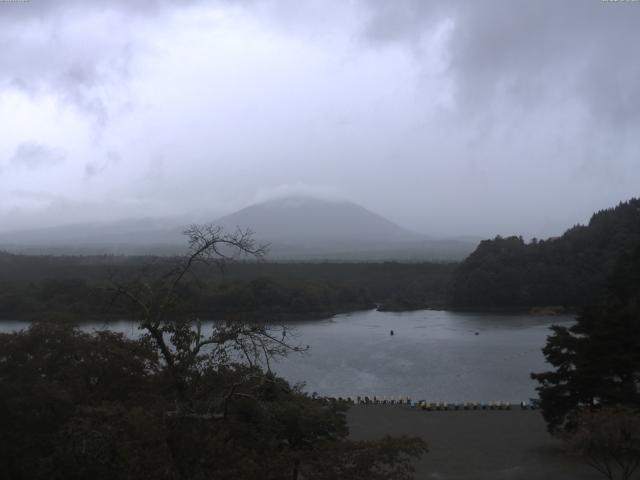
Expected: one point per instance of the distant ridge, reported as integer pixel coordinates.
(132, 236)
(297, 228)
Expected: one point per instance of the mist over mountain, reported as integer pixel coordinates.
(132, 236)
(311, 221)
(295, 227)
(307, 228)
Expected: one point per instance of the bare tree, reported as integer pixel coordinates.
(609, 439)
(156, 299)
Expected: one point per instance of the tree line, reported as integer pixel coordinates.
(78, 287)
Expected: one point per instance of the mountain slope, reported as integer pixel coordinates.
(304, 228)
(310, 221)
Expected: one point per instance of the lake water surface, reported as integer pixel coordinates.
(433, 355)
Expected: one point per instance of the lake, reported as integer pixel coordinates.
(433, 355)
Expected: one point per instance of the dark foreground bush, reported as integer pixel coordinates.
(75, 405)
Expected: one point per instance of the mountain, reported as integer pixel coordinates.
(571, 270)
(305, 228)
(310, 221)
(296, 228)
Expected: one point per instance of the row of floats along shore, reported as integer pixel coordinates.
(434, 406)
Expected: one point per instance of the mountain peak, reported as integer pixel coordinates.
(297, 201)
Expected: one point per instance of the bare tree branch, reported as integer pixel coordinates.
(155, 297)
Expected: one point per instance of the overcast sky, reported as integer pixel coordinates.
(450, 118)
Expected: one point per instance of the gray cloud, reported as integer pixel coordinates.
(457, 117)
(34, 156)
(529, 52)
(96, 167)
(70, 48)
(43, 9)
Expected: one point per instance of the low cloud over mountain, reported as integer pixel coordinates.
(295, 227)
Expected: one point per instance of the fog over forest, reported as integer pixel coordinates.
(457, 118)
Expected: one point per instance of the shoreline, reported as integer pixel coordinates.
(292, 317)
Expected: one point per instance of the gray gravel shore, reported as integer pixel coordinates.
(483, 444)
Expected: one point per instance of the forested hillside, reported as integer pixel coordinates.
(569, 271)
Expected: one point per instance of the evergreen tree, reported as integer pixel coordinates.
(597, 360)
